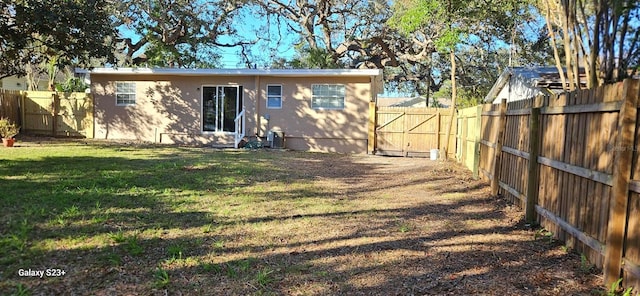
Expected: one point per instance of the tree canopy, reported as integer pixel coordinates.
(600, 37)
(422, 45)
(176, 33)
(72, 32)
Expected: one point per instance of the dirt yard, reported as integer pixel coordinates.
(432, 230)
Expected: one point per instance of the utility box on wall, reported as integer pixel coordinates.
(276, 139)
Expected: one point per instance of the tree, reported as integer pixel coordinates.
(600, 36)
(447, 24)
(434, 17)
(82, 31)
(355, 34)
(314, 58)
(176, 33)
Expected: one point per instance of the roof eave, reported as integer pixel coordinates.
(497, 87)
(239, 72)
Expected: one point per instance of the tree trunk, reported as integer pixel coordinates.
(452, 108)
(567, 24)
(556, 54)
(428, 90)
(592, 80)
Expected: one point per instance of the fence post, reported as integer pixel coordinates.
(533, 177)
(54, 114)
(463, 127)
(459, 153)
(23, 111)
(495, 171)
(89, 118)
(438, 119)
(477, 136)
(405, 132)
(621, 176)
(372, 128)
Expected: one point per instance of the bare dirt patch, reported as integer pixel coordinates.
(426, 227)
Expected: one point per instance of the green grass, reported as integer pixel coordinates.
(102, 205)
(161, 278)
(21, 290)
(264, 277)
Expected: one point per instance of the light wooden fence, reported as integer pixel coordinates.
(49, 113)
(10, 105)
(410, 131)
(571, 162)
(468, 138)
(57, 114)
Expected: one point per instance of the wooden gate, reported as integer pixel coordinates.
(412, 131)
(57, 114)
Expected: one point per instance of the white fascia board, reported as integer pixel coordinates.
(502, 80)
(238, 72)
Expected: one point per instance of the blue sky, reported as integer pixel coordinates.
(270, 44)
(272, 41)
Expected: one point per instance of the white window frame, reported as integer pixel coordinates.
(274, 96)
(130, 93)
(239, 107)
(328, 95)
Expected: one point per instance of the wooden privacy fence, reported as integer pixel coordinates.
(57, 114)
(571, 161)
(404, 131)
(468, 138)
(9, 105)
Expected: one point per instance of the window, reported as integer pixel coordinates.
(327, 96)
(220, 107)
(274, 96)
(125, 93)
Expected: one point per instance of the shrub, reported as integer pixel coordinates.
(8, 130)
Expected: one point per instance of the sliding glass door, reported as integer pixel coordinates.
(220, 106)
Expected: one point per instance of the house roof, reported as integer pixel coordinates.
(411, 102)
(376, 74)
(401, 101)
(546, 77)
(239, 72)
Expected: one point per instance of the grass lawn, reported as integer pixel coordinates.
(153, 213)
(145, 220)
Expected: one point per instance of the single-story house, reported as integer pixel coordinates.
(316, 110)
(520, 83)
(41, 81)
(21, 83)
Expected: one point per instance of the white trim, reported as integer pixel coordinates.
(344, 97)
(267, 96)
(206, 133)
(240, 124)
(238, 72)
(135, 94)
(238, 104)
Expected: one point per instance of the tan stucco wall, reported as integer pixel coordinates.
(168, 109)
(327, 130)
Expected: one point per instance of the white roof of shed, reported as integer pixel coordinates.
(545, 77)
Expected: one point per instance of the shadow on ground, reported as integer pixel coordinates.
(183, 220)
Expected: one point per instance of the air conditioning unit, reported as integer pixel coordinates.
(276, 139)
